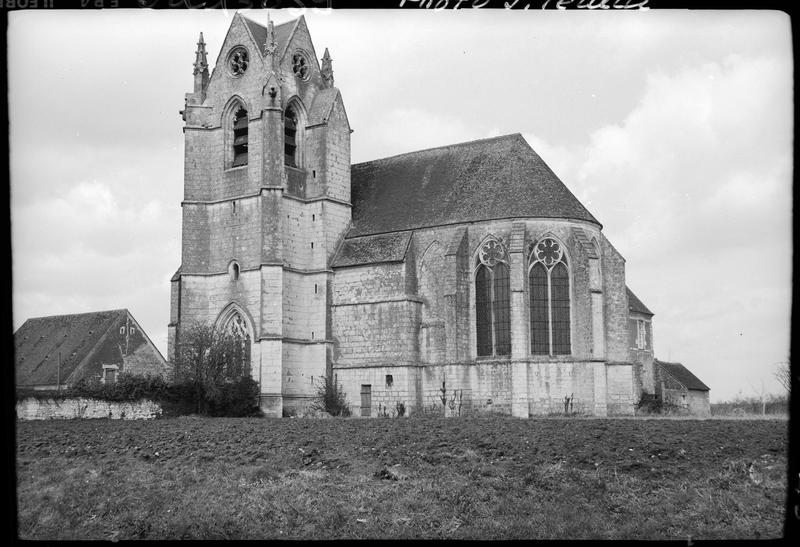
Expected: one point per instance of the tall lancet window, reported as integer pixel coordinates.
(492, 301)
(236, 326)
(239, 138)
(290, 137)
(548, 286)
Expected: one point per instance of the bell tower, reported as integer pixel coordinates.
(266, 202)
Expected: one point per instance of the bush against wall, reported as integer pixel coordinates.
(650, 404)
(331, 398)
(128, 387)
(212, 369)
(211, 376)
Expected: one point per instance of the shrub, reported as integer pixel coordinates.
(236, 399)
(128, 387)
(653, 404)
(213, 369)
(331, 398)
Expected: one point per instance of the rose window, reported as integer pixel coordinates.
(548, 252)
(238, 61)
(491, 253)
(300, 66)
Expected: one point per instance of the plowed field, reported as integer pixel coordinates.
(480, 478)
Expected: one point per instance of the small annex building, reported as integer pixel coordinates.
(675, 384)
(57, 351)
(471, 265)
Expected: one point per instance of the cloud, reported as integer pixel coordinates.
(693, 187)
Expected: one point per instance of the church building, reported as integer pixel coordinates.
(469, 267)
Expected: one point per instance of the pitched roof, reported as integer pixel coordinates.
(487, 179)
(358, 251)
(38, 342)
(636, 305)
(282, 33)
(682, 375)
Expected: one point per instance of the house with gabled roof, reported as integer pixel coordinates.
(675, 384)
(469, 268)
(57, 351)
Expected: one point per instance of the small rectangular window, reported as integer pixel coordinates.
(389, 380)
(641, 341)
(122, 330)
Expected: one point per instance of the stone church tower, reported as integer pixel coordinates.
(470, 268)
(266, 202)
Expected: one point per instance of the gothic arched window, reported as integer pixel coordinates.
(492, 301)
(239, 138)
(548, 285)
(290, 122)
(236, 326)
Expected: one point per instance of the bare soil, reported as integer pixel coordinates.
(487, 477)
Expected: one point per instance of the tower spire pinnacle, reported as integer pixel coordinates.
(271, 45)
(200, 71)
(200, 60)
(327, 69)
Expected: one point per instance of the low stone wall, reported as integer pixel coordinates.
(66, 409)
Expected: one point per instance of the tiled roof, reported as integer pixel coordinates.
(636, 305)
(282, 33)
(358, 251)
(39, 341)
(682, 375)
(487, 179)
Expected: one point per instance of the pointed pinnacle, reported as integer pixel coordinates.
(327, 68)
(270, 46)
(200, 61)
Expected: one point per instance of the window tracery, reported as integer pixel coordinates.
(492, 300)
(238, 61)
(236, 326)
(300, 66)
(549, 293)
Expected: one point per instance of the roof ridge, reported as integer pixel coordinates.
(381, 234)
(81, 313)
(452, 145)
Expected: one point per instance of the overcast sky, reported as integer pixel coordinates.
(674, 128)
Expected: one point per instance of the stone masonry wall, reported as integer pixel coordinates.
(616, 302)
(51, 409)
(621, 394)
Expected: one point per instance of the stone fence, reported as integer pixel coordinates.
(31, 408)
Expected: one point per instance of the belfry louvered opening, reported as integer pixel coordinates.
(290, 137)
(240, 138)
